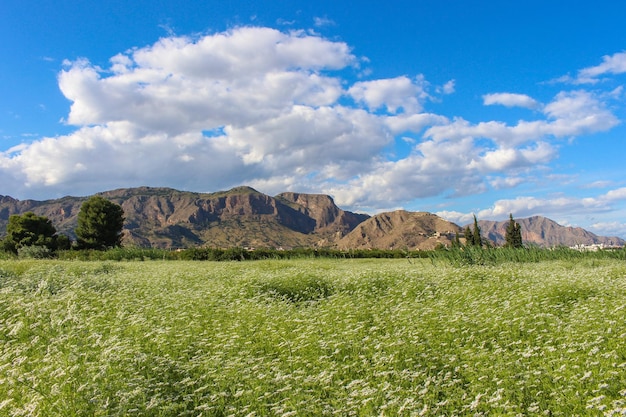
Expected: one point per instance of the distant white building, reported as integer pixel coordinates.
(593, 247)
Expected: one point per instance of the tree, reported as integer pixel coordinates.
(469, 237)
(513, 234)
(28, 229)
(100, 224)
(456, 242)
(478, 241)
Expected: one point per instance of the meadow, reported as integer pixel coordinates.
(312, 337)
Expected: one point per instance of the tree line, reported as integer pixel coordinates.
(99, 226)
(473, 237)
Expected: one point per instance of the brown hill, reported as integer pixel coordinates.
(244, 217)
(541, 231)
(166, 218)
(322, 209)
(401, 230)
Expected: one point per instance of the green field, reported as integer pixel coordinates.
(312, 338)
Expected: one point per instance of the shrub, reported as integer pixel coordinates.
(34, 252)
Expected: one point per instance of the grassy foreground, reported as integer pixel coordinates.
(312, 338)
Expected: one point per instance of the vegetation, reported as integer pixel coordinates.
(513, 234)
(231, 254)
(313, 337)
(457, 255)
(31, 234)
(467, 256)
(477, 238)
(472, 236)
(100, 224)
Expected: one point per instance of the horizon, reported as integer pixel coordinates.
(489, 109)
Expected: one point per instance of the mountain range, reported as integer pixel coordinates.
(245, 217)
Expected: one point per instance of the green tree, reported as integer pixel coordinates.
(100, 224)
(28, 229)
(513, 234)
(456, 242)
(469, 237)
(478, 241)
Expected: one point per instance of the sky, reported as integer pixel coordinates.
(458, 108)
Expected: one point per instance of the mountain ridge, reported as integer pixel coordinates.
(242, 216)
(542, 231)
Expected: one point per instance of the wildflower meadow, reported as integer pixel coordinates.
(312, 337)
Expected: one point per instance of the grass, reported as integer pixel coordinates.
(312, 337)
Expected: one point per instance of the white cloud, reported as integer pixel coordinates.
(564, 209)
(499, 183)
(571, 113)
(449, 87)
(529, 206)
(431, 170)
(323, 21)
(307, 138)
(611, 64)
(274, 110)
(237, 78)
(456, 217)
(266, 100)
(615, 195)
(392, 94)
(413, 122)
(614, 228)
(598, 184)
(554, 206)
(511, 100)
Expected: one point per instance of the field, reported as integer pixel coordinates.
(312, 338)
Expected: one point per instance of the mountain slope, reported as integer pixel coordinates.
(244, 217)
(401, 230)
(541, 231)
(164, 217)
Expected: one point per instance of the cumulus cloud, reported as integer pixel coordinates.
(392, 94)
(510, 100)
(568, 114)
(275, 110)
(554, 206)
(240, 77)
(608, 228)
(449, 87)
(499, 183)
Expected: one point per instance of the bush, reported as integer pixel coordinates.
(34, 252)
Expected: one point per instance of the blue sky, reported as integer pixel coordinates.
(452, 107)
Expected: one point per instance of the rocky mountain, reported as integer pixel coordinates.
(401, 230)
(541, 231)
(244, 217)
(168, 218)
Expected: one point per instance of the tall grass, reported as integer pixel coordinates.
(460, 256)
(312, 337)
(493, 256)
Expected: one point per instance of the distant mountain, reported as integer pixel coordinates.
(544, 232)
(168, 218)
(244, 217)
(401, 230)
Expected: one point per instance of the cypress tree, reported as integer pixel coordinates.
(469, 237)
(513, 234)
(476, 234)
